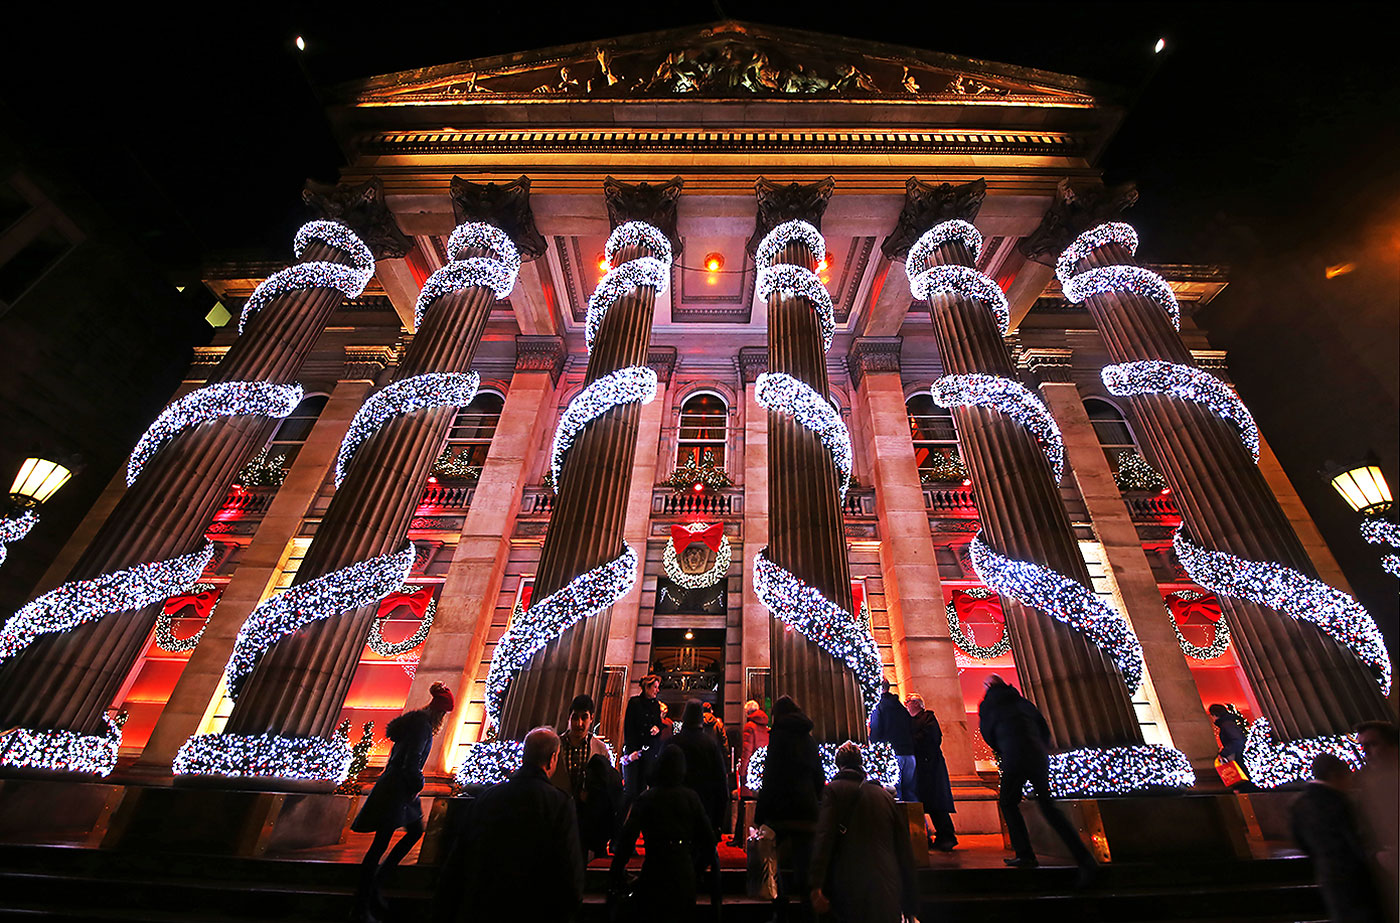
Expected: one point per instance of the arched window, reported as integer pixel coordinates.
(470, 438)
(704, 422)
(1130, 469)
(935, 440)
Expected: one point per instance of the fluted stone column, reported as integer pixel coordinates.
(1075, 684)
(1306, 684)
(68, 680)
(298, 688)
(1166, 667)
(194, 692)
(588, 524)
(806, 533)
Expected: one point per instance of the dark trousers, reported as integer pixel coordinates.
(943, 831)
(1014, 775)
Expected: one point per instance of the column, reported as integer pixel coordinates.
(753, 361)
(1307, 684)
(297, 688)
(67, 680)
(1076, 684)
(923, 647)
(806, 533)
(195, 691)
(454, 648)
(584, 550)
(1167, 670)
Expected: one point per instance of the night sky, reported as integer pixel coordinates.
(1264, 137)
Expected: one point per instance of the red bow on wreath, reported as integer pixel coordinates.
(417, 602)
(712, 535)
(203, 603)
(1182, 609)
(967, 606)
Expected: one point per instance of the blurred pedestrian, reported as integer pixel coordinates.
(1376, 792)
(890, 723)
(704, 761)
(641, 736)
(793, 780)
(755, 735)
(1325, 827)
(931, 783)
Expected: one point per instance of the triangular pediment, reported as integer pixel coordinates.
(728, 60)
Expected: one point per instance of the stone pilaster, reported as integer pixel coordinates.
(1167, 670)
(67, 680)
(1305, 683)
(588, 525)
(752, 362)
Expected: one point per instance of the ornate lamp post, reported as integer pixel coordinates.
(38, 479)
(1364, 488)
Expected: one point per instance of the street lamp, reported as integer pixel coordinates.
(38, 479)
(1364, 488)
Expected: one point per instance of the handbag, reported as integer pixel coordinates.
(1230, 771)
(761, 882)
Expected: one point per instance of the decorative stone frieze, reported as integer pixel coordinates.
(362, 209)
(502, 205)
(1048, 365)
(365, 363)
(541, 354)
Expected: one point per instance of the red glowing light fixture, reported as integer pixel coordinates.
(698, 487)
(714, 262)
(967, 482)
(1166, 490)
(603, 264)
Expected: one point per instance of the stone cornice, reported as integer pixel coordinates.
(873, 354)
(752, 362)
(1049, 366)
(779, 202)
(503, 205)
(365, 363)
(362, 209)
(540, 354)
(926, 205)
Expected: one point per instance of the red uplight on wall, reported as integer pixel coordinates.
(714, 262)
(603, 264)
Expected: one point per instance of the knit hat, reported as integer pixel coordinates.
(442, 698)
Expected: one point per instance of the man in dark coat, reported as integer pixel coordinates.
(1017, 731)
(641, 737)
(931, 773)
(793, 780)
(1325, 827)
(890, 723)
(704, 764)
(522, 855)
(862, 866)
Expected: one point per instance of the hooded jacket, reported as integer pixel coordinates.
(792, 775)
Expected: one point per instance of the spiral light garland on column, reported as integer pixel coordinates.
(1297, 595)
(350, 281)
(222, 399)
(252, 756)
(64, 751)
(407, 395)
(785, 394)
(1009, 397)
(792, 281)
(1271, 765)
(497, 272)
(878, 758)
(1072, 603)
(14, 528)
(1095, 771)
(952, 278)
(621, 386)
(1119, 277)
(1153, 376)
(1375, 531)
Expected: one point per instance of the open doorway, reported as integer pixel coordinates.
(690, 662)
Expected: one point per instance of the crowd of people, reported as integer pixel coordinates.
(842, 845)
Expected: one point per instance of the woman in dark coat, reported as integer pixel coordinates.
(393, 801)
(679, 842)
(934, 788)
(704, 761)
(793, 780)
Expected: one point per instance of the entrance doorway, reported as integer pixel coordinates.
(690, 662)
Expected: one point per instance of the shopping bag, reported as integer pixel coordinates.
(1231, 772)
(762, 881)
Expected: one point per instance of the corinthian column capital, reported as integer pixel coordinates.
(360, 208)
(1074, 212)
(654, 203)
(926, 205)
(779, 202)
(502, 205)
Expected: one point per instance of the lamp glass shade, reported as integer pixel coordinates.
(39, 478)
(1363, 488)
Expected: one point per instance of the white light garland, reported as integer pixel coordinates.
(967, 644)
(817, 618)
(350, 281)
(638, 234)
(490, 762)
(1010, 397)
(249, 756)
(800, 282)
(407, 395)
(1271, 765)
(1286, 590)
(459, 274)
(384, 648)
(584, 596)
(64, 751)
(620, 281)
(222, 399)
(878, 760)
(344, 590)
(789, 232)
(1113, 232)
(1095, 771)
(1067, 600)
(1218, 645)
(14, 528)
(961, 282)
(1132, 279)
(1375, 531)
(620, 386)
(785, 394)
(937, 236)
(478, 235)
(72, 604)
(672, 563)
(1155, 376)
